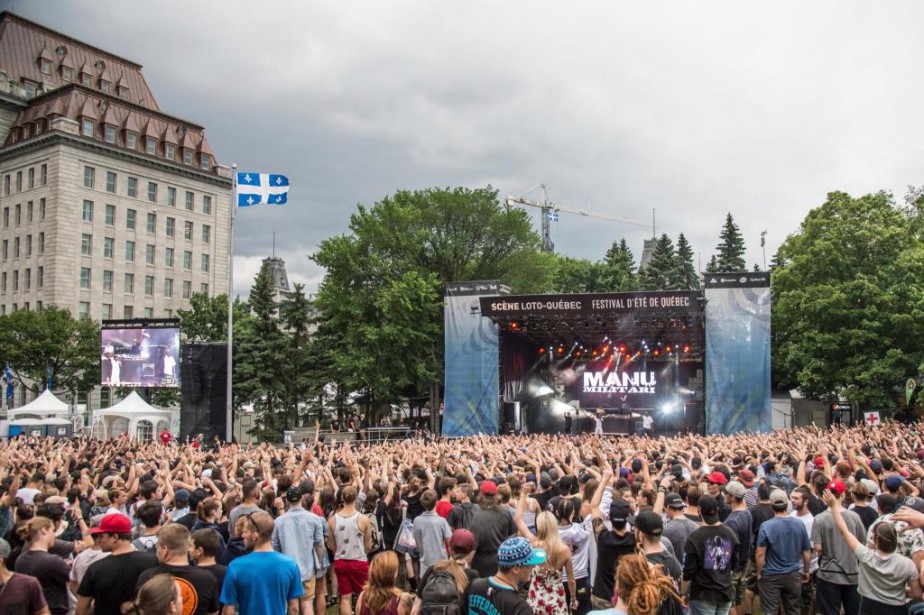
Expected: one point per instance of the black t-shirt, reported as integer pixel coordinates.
(414, 507)
(544, 497)
(671, 567)
(199, 587)
(112, 580)
(867, 515)
(759, 514)
(51, 572)
(611, 546)
(461, 515)
(486, 597)
(188, 520)
(22, 595)
(219, 571)
(710, 556)
(491, 528)
(740, 523)
(576, 501)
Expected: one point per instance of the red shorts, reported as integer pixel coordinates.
(351, 575)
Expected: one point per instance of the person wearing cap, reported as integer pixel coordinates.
(20, 593)
(491, 526)
(110, 581)
(678, 527)
(612, 544)
(910, 541)
(836, 584)
(784, 558)
(747, 478)
(300, 535)
(649, 529)
(739, 521)
(799, 499)
(715, 483)
(498, 594)
(180, 504)
(200, 587)
(710, 557)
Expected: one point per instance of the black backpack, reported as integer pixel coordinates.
(440, 596)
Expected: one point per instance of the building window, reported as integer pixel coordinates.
(89, 177)
(131, 140)
(28, 245)
(149, 285)
(150, 145)
(149, 254)
(190, 200)
(108, 247)
(84, 310)
(104, 87)
(111, 182)
(168, 287)
(16, 247)
(43, 175)
(110, 133)
(30, 182)
(128, 312)
(6, 245)
(110, 215)
(86, 80)
(171, 196)
(85, 278)
(206, 204)
(15, 279)
(152, 192)
(168, 313)
(88, 127)
(27, 279)
(130, 219)
(187, 259)
(38, 306)
(205, 263)
(6, 184)
(149, 312)
(29, 211)
(18, 181)
(204, 288)
(187, 230)
(3, 282)
(130, 251)
(88, 211)
(6, 217)
(171, 227)
(67, 73)
(86, 244)
(17, 215)
(168, 257)
(169, 151)
(122, 91)
(41, 246)
(41, 209)
(107, 280)
(107, 311)
(40, 277)
(206, 233)
(152, 223)
(26, 131)
(187, 155)
(206, 162)
(129, 283)
(187, 289)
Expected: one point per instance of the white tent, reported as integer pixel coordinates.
(135, 417)
(26, 422)
(45, 404)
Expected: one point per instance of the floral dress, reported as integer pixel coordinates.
(547, 592)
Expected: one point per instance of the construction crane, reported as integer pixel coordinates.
(550, 214)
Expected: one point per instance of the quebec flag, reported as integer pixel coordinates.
(257, 188)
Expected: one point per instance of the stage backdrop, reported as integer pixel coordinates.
(737, 352)
(472, 381)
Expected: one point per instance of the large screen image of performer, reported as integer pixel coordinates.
(137, 357)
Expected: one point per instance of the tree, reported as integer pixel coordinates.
(685, 276)
(575, 275)
(302, 382)
(207, 318)
(32, 341)
(617, 270)
(713, 265)
(660, 272)
(731, 248)
(848, 315)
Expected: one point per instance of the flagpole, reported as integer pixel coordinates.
(229, 414)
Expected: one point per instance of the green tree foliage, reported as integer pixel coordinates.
(617, 269)
(575, 275)
(848, 315)
(303, 380)
(685, 276)
(33, 340)
(207, 318)
(660, 272)
(731, 248)
(713, 265)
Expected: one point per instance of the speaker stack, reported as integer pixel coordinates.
(204, 370)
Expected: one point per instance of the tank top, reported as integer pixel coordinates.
(391, 609)
(349, 538)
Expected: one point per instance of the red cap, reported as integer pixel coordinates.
(717, 478)
(488, 487)
(837, 486)
(462, 541)
(746, 477)
(903, 472)
(115, 523)
(819, 461)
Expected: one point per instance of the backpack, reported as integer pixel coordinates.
(145, 544)
(440, 596)
(377, 542)
(467, 512)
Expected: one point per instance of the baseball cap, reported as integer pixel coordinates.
(837, 486)
(489, 487)
(915, 503)
(886, 501)
(620, 511)
(746, 478)
(649, 523)
(114, 523)
(462, 541)
(819, 461)
(5, 549)
(181, 495)
(709, 508)
(871, 486)
(894, 482)
(735, 489)
(920, 453)
(293, 494)
(673, 500)
(717, 478)
(624, 472)
(779, 499)
(518, 552)
(875, 465)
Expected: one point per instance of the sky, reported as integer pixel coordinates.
(693, 110)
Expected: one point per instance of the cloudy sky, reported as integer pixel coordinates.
(691, 109)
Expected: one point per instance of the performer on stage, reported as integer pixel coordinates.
(647, 425)
(568, 423)
(598, 422)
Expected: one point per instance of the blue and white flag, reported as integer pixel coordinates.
(552, 215)
(9, 381)
(261, 188)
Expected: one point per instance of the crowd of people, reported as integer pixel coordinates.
(802, 521)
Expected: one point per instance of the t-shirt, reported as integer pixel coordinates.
(610, 611)
(808, 520)
(883, 578)
(51, 572)
(199, 588)
(739, 521)
(460, 517)
(487, 597)
(27, 494)
(837, 564)
(677, 531)
(218, 571)
(868, 515)
(443, 507)
(759, 514)
(910, 541)
(239, 510)
(111, 580)
(22, 596)
(671, 567)
(785, 539)
(490, 527)
(710, 556)
(431, 533)
(261, 582)
(611, 547)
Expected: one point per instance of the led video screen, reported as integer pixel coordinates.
(136, 357)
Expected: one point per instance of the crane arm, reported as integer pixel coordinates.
(511, 200)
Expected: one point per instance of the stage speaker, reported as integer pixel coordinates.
(511, 422)
(204, 381)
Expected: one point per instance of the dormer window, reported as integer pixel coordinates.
(123, 91)
(26, 131)
(86, 80)
(205, 161)
(110, 133)
(104, 87)
(187, 156)
(45, 65)
(88, 127)
(31, 88)
(131, 140)
(169, 151)
(67, 73)
(150, 145)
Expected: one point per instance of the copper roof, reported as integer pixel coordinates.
(21, 45)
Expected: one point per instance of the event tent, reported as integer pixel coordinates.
(44, 405)
(134, 417)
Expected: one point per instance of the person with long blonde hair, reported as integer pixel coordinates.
(640, 588)
(158, 596)
(52, 571)
(381, 596)
(546, 590)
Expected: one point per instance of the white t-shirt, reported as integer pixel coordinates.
(647, 421)
(808, 520)
(27, 494)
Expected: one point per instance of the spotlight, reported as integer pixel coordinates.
(578, 353)
(542, 350)
(686, 348)
(622, 348)
(657, 352)
(667, 408)
(560, 349)
(668, 349)
(514, 325)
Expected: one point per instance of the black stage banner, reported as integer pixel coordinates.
(473, 288)
(592, 304)
(737, 280)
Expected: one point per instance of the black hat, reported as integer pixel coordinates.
(709, 508)
(293, 494)
(673, 500)
(620, 512)
(636, 466)
(649, 523)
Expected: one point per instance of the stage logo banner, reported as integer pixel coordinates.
(472, 384)
(737, 352)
